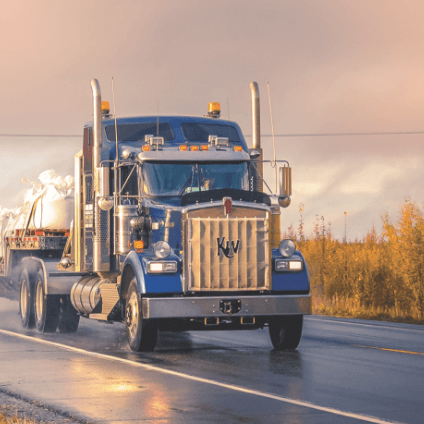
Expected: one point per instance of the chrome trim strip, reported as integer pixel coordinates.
(202, 307)
(218, 203)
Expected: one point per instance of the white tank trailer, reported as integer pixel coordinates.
(39, 227)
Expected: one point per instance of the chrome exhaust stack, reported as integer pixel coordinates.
(101, 242)
(258, 184)
(97, 126)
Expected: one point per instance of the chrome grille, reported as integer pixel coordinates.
(242, 262)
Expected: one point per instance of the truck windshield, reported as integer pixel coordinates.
(137, 131)
(176, 178)
(197, 131)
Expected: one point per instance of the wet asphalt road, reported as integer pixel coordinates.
(344, 371)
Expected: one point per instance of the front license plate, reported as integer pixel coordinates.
(230, 306)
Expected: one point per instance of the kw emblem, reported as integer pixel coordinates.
(229, 250)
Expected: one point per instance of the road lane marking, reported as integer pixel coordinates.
(255, 346)
(313, 318)
(233, 387)
(392, 350)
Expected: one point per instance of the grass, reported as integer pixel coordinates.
(349, 309)
(4, 419)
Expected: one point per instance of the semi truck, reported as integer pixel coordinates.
(172, 231)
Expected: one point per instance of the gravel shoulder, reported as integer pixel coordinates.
(13, 405)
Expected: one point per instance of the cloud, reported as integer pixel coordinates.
(333, 67)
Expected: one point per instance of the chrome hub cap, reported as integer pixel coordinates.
(39, 302)
(132, 314)
(24, 299)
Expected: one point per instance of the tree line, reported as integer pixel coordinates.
(380, 276)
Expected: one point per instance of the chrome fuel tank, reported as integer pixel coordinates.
(124, 231)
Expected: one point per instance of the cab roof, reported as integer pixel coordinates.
(177, 129)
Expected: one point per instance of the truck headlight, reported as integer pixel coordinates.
(287, 248)
(162, 249)
(288, 265)
(162, 267)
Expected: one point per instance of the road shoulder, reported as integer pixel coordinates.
(12, 404)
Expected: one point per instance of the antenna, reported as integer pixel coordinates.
(228, 107)
(273, 140)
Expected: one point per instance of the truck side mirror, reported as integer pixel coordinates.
(285, 186)
(254, 154)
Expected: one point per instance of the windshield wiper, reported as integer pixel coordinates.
(185, 186)
(191, 181)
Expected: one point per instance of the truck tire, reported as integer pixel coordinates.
(46, 307)
(26, 300)
(142, 334)
(286, 331)
(68, 316)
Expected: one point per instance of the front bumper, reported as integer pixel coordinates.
(205, 307)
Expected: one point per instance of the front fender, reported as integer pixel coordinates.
(132, 260)
(288, 280)
(151, 283)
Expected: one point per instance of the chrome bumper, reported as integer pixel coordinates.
(205, 307)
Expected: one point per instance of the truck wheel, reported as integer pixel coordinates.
(286, 331)
(68, 316)
(142, 334)
(46, 307)
(26, 301)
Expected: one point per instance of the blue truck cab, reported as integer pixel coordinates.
(172, 231)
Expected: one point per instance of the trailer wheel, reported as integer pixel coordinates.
(46, 307)
(142, 334)
(68, 316)
(286, 331)
(26, 301)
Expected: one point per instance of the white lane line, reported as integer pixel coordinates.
(233, 387)
(366, 325)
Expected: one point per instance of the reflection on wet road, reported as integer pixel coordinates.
(339, 374)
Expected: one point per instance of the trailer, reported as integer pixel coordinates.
(37, 228)
(171, 231)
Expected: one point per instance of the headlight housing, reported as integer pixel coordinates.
(159, 267)
(290, 265)
(287, 248)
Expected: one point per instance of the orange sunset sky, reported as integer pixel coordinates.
(333, 67)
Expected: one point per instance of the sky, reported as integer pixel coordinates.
(333, 67)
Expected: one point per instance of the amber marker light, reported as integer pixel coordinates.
(139, 245)
(204, 147)
(183, 147)
(238, 148)
(214, 109)
(194, 148)
(145, 148)
(105, 108)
